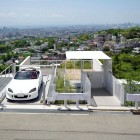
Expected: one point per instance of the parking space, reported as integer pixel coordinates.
(38, 100)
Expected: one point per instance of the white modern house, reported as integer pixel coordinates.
(98, 87)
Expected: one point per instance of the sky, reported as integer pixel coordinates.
(68, 12)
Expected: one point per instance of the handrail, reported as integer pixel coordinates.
(5, 77)
(38, 65)
(5, 69)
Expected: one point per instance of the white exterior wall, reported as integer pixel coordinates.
(107, 82)
(97, 65)
(96, 79)
(99, 77)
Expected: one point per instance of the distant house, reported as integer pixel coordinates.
(79, 49)
(64, 49)
(66, 40)
(36, 58)
(19, 50)
(3, 54)
(123, 39)
(44, 56)
(74, 40)
(116, 51)
(72, 48)
(9, 62)
(82, 47)
(62, 56)
(121, 45)
(44, 45)
(136, 50)
(114, 38)
(20, 58)
(38, 48)
(109, 44)
(95, 35)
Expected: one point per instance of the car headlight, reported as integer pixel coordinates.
(32, 90)
(10, 90)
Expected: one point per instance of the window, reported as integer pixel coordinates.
(24, 75)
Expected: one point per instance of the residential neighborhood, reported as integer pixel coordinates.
(44, 47)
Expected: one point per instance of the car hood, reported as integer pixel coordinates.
(23, 86)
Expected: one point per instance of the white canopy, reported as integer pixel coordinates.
(86, 55)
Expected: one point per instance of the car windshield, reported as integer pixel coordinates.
(24, 75)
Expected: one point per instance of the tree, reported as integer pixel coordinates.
(106, 49)
(38, 43)
(84, 37)
(31, 50)
(126, 66)
(4, 48)
(51, 42)
(20, 43)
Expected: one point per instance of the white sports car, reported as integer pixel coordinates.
(25, 85)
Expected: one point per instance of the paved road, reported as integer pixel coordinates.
(69, 127)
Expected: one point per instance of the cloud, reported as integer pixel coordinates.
(57, 15)
(6, 15)
(26, 15)
(36, 0)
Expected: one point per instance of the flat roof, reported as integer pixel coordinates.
(86, 55)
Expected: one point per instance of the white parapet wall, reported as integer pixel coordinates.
(27, 61)
(133, 97)
(71, 96)
(85, 95)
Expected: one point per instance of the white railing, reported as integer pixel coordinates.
(5, 78)
(116, 88)
(7, 72)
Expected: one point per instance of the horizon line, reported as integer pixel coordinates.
(55, 25)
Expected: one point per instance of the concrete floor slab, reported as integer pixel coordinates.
(102, 98)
